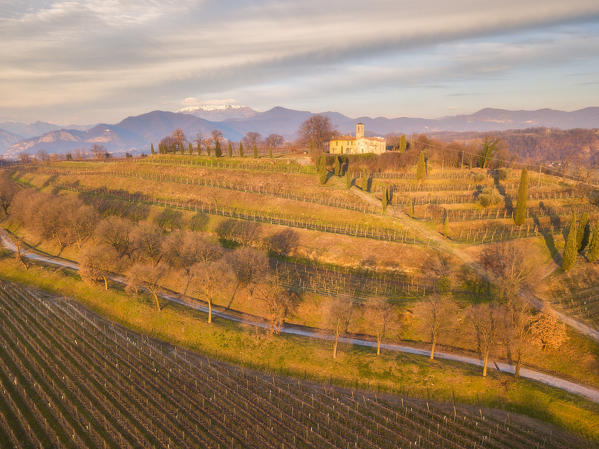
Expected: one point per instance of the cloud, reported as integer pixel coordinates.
(127, 53)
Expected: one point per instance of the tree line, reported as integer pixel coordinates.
(215, 144)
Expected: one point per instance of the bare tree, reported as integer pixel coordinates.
(8, 190)
(278, 300)
(147, 276)
(510, 265)
(146, 243)
(274, 141)
(377, 313)
(249, 266)
(437, 314)
(338, 316)
(179, 138)
(316, 131)
(19, 251)
(83, 221)
(485, 320)
(216, 135)
(244, 232)
(24, 158)
(96, 263)
(182, 249)
(99, 151)
(251, 140)
(42, 156)
(210, 280)
(115, 232)
(517, 330)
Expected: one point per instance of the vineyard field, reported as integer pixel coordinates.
(72, 379)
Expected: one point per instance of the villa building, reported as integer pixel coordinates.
(357, 145)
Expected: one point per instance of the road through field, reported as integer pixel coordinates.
(304, 331)
(444, 245)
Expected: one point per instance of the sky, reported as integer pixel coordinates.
(88, 61)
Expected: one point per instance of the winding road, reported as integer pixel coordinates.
(553, 381)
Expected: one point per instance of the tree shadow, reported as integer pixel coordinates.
(547, 234)
(509, 205)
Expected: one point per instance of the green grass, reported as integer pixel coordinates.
(410, 375)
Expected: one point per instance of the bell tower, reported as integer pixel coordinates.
(359, 130)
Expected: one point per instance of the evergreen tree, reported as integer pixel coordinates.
(364, 180)
(569, 256)
(208, 149)
(190, 148)
(240, 149)
(446, 224)
(337, 166)
(217, 151)
(385, 199)
(349, 179)
(182, 148)
(412, 207)
(584, 231)
(270, 152)
(520, 215)
(324, 173)
(255, 151)
(230, 150)
(152, 149)
(421, 167)
(593, 253)
(403, 143)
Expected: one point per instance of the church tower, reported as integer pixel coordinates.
(359, 130)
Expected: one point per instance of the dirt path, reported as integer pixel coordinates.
(308, 332)
(444, 245)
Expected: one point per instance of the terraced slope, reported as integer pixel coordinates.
(71, 379)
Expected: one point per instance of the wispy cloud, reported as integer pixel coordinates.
(121, 55)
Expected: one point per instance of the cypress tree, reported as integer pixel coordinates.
(593, 253)
(385, 198)
(412, 207)
(348, 179)
(230, 150)
(323, 175)
(217, 151)
(182, 148)
(255, 151)
(337, 166)
(403, 143)
(152, 149)
(584, 230)
(208, 149)
(520, 215)
(365, 181)
(569, 256)
(421, 167)
(240, 149)
(190, 148)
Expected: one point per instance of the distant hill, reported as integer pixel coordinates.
(7, 139)
(135, 134)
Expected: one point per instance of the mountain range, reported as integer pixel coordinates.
(135, 134)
